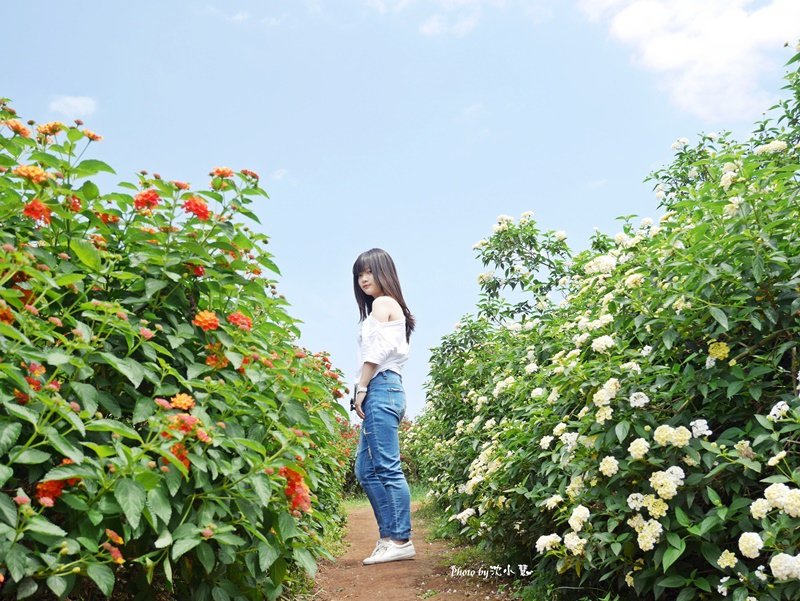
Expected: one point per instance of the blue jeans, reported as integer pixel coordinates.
(378, 457)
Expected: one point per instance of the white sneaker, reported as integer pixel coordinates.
(379, 547)
(395, 552)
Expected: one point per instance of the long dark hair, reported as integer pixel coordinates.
(384, 274)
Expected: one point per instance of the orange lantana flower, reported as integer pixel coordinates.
(32, 173)
(207, 320)
(16, 126)
(182, 401)
(50, 129)
(222, 172)
(146, 200)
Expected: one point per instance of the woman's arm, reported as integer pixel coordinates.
(367, 371)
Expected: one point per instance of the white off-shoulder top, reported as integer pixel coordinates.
(383, 343)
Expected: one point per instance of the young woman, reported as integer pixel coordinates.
(386, 326)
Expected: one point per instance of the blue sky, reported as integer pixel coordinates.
(403, 124)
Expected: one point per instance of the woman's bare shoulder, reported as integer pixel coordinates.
(385, 308)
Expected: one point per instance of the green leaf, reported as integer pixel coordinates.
(57, 358)
(8, 511)
(145, 407)
(183, 545)
(92, 166)
(9, 432)
(41, 525)
(205, 554)
(32, 457)
(87, 394)
(262, 489)
(16, 561)
(5, 473)
(306, 560)
(102, 576)
(159, 504)
(131, 497)
(682, 518)
(673, 581)
(671, 555)
(110, 425)
(62, 472)
(130, 368)
(164, 539)
(26, 588)
(267, 554)
(86, 253)
(63, 446)
(720, 316)
(57, 584)
(90, 190)
(622, 430)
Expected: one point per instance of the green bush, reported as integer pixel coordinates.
(158, 423)
(625, 419)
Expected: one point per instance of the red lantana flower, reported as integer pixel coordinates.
(37, 210)
(146, 200)
(296, 490)
(197, 206)
(240, 320)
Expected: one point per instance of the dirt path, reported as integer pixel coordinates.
(427, 576)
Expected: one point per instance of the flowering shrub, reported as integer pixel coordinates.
(157, 421)
(626, 420)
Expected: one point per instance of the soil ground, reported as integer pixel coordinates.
(429, 575)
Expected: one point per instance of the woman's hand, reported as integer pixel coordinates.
(360, 396)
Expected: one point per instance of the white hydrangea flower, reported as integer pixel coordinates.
(634, 280)
(601, 264)
(750, 544)
(727, 179)
(785, 567)
(776, 494)
(776, 459)
(700, 428)
(646, 350)
(604, 414)
(639, 448)
(560, 235)
(727, 559)
(574, 543)
(464, 515)
(649, 535)
(778, 411)
(638, 399)
(609, 466)
(771, 147)
(547, 542)
(578, 518)
(545, 442)
(559, 429)
(487, 276)
(635, 501)
(531, 368)
(553, 502)
(680, 144)
(602, 344)
(791, 503)
(480, 244)
(537, 393)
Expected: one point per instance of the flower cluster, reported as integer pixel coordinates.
(296, 490)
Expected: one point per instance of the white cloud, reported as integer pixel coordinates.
(279, 174)
(440, 25)
(459, 17)
(74, 107)
(472, 111)
(708, 54)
